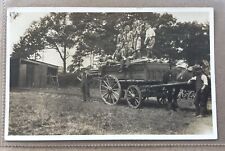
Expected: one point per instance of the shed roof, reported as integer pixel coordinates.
(35, 62)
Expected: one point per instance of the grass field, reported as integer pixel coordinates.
(62, 112)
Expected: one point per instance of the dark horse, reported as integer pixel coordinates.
(174, 75)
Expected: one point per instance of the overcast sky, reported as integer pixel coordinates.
(18, 26)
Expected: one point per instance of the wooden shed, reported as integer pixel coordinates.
(31, 73)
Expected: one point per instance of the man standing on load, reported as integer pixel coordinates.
(137, 27)
(149, 39)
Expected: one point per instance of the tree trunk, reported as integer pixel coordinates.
(64, 59)
(64, 65)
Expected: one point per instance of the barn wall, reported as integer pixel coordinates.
(23, 75)
(40, 76)
(14, 73)
(30, 75)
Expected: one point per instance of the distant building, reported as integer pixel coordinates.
(31, 73)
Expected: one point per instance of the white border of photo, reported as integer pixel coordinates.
(209, 136)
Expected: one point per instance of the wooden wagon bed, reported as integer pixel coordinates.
(147, 71)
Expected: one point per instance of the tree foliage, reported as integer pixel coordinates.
(87, 33)
(30, 43)
(193, 38)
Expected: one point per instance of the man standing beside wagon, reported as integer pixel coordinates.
(202, 90)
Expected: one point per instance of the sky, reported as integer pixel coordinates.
(17, 28)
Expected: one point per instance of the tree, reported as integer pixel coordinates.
(165, 38)
(31, 43)
(97, 32)
(193, 38)
(54, 31)
(88, 33)
(60, 34)
(175, 40)
(76, 63)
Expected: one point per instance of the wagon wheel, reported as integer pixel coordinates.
(110, 89)
(191, 95)
(133, 96)
(162, 99)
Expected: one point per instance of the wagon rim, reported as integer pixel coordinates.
(110, 89)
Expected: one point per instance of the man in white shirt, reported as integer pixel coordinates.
(201, 87)
(149, 39)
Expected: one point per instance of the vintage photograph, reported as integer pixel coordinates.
(110, 74)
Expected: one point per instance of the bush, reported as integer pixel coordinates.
(68, 79)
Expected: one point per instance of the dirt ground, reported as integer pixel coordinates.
(60, 111)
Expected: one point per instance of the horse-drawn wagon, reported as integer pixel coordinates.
(137, 82)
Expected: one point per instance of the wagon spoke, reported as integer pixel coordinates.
(111, 99)
(114, 86)
(114, 96)
(134, 92)
(107, 96)
(136, 98)
(106, 84)
(136, 101)
(104, 94)
(116, 93)
(115, 90)
(130, 93)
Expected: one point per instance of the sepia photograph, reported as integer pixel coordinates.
(110, 73)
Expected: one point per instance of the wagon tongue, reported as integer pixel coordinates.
(170, 84)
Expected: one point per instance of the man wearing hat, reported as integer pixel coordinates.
(85, 89)
(201, 87)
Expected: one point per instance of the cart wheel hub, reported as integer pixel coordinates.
(110, 90)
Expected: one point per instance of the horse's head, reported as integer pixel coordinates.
(178, 74)
(185, 74)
